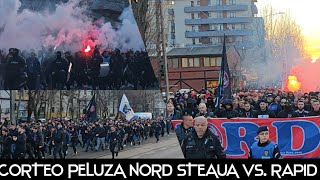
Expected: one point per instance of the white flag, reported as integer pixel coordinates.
(125, 108)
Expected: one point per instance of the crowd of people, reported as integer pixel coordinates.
(95, 69)
(53, 138)
(266, 103)
(198, 141)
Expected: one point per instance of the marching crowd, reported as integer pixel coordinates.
(96, 69)
(53, 138)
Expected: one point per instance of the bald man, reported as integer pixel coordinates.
(203, 111)
(202, 143)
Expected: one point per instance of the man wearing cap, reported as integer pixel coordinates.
(264, 148)
(272, 105)
(263, 112)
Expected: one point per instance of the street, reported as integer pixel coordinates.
(167, 147)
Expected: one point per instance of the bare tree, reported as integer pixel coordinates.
(282, 30)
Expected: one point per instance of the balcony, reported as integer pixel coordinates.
(218, 20)
(190, 9)
(197, 34)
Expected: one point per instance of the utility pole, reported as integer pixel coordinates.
(12, 110)
(158, 40)
(164, 51)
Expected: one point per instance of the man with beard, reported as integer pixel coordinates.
(287, 112)
(203, 111)
(248, 111)
(59, 71)
(301, 112)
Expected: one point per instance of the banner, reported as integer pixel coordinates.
(125, 108)
(296, 137)
(91, 110)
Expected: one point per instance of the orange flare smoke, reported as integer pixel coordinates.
(293, 84)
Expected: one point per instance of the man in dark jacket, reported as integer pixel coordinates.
(20, 141)
(287, 112)
(59, 71)
(228, 111)
(202, 143)
(58, 142)
(185, 128)
(263, 112)
(248, 111)
(33, 71)
(315, 108)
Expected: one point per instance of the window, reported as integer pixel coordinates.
(198, 2)
(192, 15)
(232, 1)
(196, 62)
(192, 3)
(211, 61)
(206, 61)
(193, 41)
(243, 26)
(219, 2)
(193, 28)
(232, 14)
(190, 62)
(52, 109)
(220, 14)
(218, 61)
(173, 63)
(184, 62)
(215, 27)
(233, 26)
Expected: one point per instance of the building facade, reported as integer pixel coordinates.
(204, 22)
(198, 67)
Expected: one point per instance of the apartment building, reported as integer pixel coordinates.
(204, 22)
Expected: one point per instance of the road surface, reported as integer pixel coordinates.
(167, 147)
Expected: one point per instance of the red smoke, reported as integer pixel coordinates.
(306, 74)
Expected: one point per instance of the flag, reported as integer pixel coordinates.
(91, 110)
(224, 84)
(125, 108)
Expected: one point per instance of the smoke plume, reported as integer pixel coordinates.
(67, 28)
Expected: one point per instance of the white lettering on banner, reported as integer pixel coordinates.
(30, 170)
(1, 174)
(159, 170)
(256, 167)
(84, 170)
(294, 170)
(186, 169)
(60, 170)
